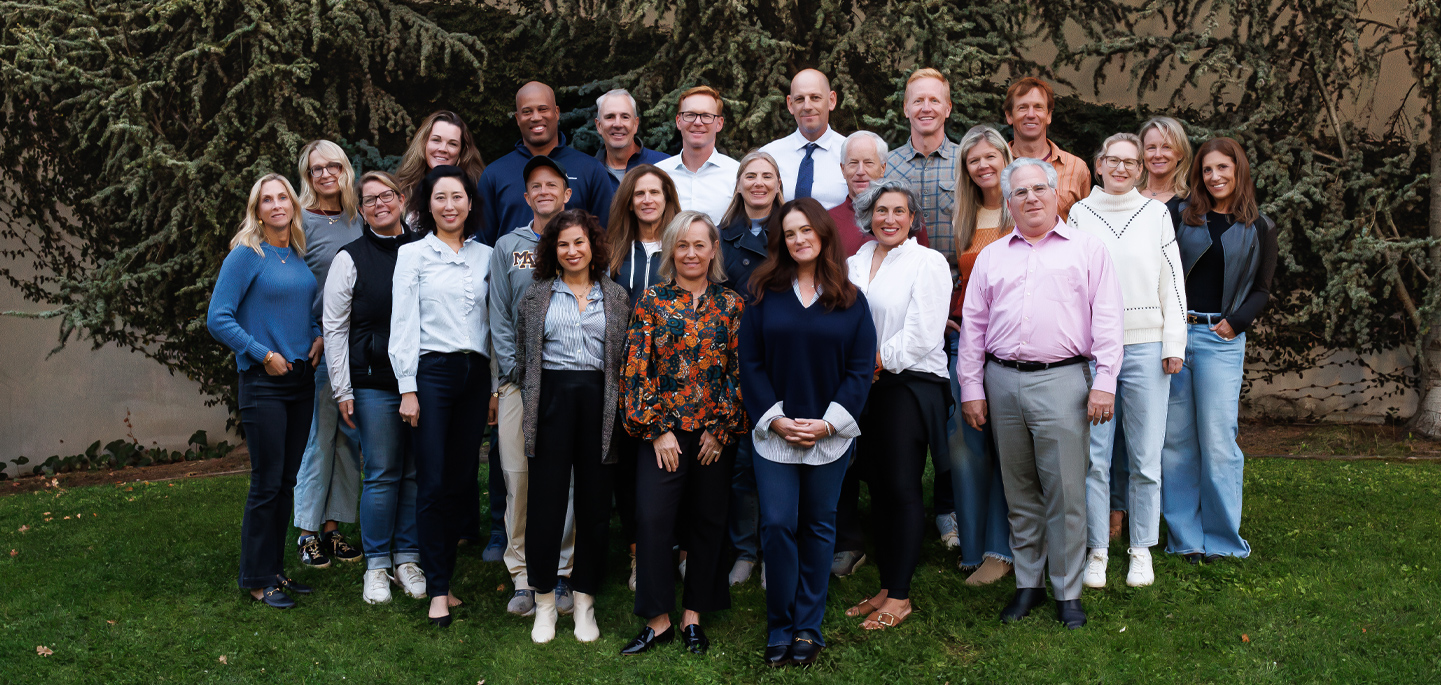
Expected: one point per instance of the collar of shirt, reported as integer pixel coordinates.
(679, 164)
(1060, 230)
(595, 295)
(444, 250)
(826, 141)
(947, 149)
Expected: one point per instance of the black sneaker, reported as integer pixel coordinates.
(334, 543)
(310, 553)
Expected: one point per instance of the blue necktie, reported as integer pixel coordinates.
(806, 176)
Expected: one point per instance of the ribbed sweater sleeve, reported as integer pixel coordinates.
(237, 273)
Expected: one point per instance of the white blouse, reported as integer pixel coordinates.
(438, 303)
(910, 299)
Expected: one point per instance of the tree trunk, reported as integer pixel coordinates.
(1428, 415)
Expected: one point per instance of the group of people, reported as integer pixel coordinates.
(722, 351)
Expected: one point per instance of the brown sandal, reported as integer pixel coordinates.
(857, 610)
(883, 622)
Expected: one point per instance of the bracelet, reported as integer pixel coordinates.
(830, 430)
(268, 355)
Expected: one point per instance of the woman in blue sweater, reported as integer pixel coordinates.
(807, 353)
(261, 309)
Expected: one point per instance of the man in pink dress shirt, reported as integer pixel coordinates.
(1041, 303)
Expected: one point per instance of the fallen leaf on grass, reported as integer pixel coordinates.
(130, 488)
(24, 528)
(110, 622)
(1123, 629)
(171, 485)
(67, 518)
(42, 650)
(222, 659)
(1245, 637)
(45, 514)
(500, 588)
(14, 552)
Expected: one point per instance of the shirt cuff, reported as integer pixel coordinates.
(842, 421)
(1173, 349)
(406, 383)
(763, 424)
(1105, 383)
(346, 396)
(977, 391)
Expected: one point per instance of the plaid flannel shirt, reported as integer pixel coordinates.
(933, 177)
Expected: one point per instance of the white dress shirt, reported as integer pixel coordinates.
(335, 322)
(709, 190)
(910, 299)
(828, 186)
(438, 303)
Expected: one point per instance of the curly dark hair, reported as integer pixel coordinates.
(421, 201)
(547, 264)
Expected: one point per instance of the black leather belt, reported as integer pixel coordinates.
(1208, 319)
(1036, 366)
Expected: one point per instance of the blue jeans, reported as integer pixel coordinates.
(744, 514)
(981, 513)
(275, 412)
(1201, 465)
(1141, 391)
(328, 486)
(798, 534)
(387, 504)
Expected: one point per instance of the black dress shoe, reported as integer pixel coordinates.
(1193, 558)
(289, 585)
(806, 648)
(695, 639)
(1214, 558)
(778, 655)
(273, 597)
(1026, 599)
(1070, 613)
(648, 638)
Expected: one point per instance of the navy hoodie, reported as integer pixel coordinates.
(502, 189)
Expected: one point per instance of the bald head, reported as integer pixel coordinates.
(537, 116)
(810, 102)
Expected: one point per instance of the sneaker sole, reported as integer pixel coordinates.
(375, 601)
(324, 565)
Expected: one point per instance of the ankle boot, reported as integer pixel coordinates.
(545, 617)
(585, 628)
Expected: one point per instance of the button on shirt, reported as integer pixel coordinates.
(574, 340)
(1046, 302)
(909, 299)
(709, 190)
(829, 186)
(933, 176)
(438, 303)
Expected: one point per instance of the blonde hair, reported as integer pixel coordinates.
(383, 177)
(1175, 134)
(675, 229)
(969, 198)
(928, 72)
(252, 229)
(330, 152)
(737, 206)
(1119, 138)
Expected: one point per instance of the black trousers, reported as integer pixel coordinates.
(849, 535)
(454, 394)
(572, 406)
(692, 503)
(275, 412)
(626, 447)
(893, 448)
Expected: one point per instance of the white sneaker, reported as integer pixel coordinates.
(377, 586)
(585, 628)
(545, 617)
(1141, 573)
(1095, 569)
(411, 579)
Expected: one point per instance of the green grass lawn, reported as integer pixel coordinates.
(139, 586)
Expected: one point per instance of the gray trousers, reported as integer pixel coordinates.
(1043, 444)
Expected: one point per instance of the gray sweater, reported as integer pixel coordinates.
(324, 236)
(512, 270)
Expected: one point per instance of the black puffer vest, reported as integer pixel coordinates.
(374, 258)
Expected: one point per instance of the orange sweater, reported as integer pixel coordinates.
(988, 231)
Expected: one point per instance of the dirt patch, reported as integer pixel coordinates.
(237, 461)
(1260, 438)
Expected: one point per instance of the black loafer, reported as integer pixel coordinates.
(1070, 613)
(1026, 599)
(806, 648)
(648, 639)
(289, 585)
(695, 639)
(441, 621)
(778, 655)
(273, 597)
(1193, 558)
(1214, 558)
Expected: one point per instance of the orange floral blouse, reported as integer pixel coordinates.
(681, 370)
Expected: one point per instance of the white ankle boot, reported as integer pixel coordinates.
(585, 628)
(1141, 573)
(1095, 568)
(545, 617)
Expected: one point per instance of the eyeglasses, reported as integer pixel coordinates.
(705, 117)
(1112, 162)
(386, 197)
(1040, 190)
(320, 169)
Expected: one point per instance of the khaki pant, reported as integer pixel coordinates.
(516, 467)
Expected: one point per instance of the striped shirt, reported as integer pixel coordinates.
(933, 177)
(574, 341)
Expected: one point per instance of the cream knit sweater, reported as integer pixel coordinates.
(1142, 242)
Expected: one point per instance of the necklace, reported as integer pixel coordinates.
(282, 257)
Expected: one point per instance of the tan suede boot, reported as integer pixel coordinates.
(991, 570)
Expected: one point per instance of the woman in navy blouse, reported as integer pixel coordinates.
(807, 353)
(261, 309)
